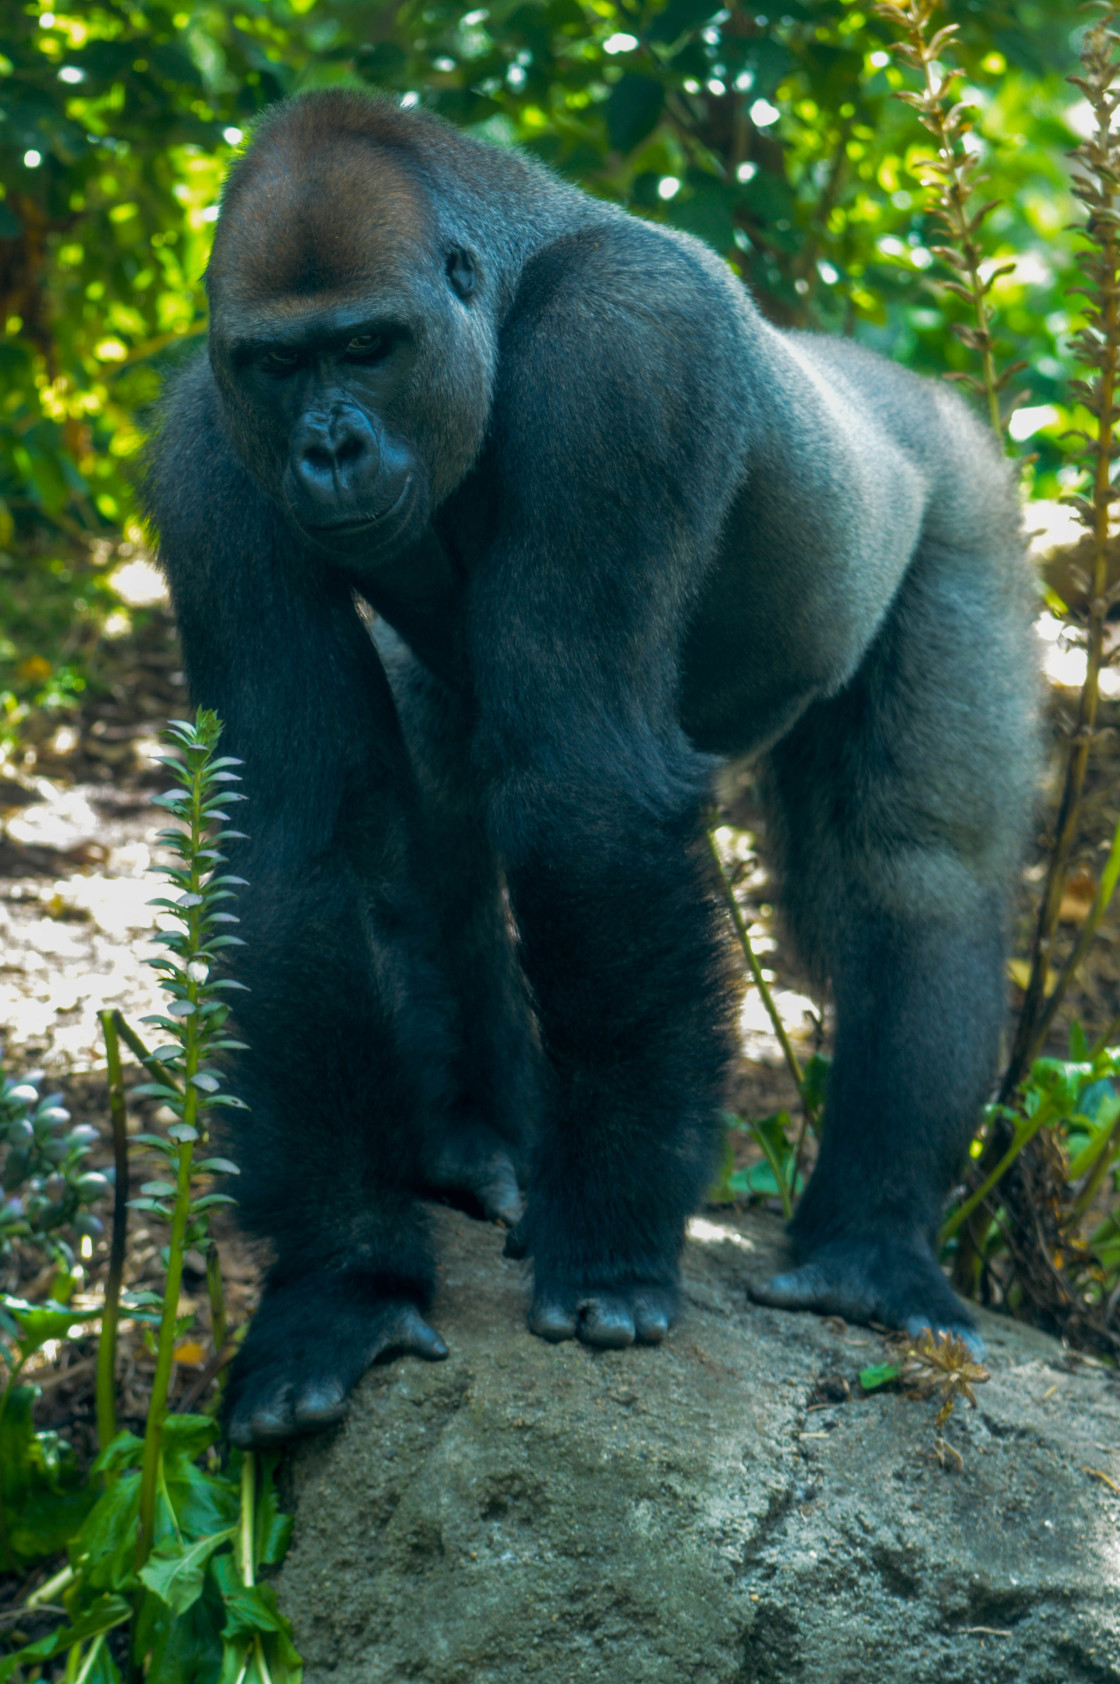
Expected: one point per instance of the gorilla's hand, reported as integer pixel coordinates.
(895, 1281)
(310, 1342)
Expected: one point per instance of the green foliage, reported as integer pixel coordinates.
(778, 1175)
(779, 141)
(1075, 1104)
(165, 1539)
(46, 1188)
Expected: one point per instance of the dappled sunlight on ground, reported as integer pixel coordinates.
(717, 1233)
(74, 943)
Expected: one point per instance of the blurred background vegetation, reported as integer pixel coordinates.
(775, 138)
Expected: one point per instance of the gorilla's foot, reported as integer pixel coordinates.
(472, 1165)
(308, 1345)
(607, 1317)
(893, 1281)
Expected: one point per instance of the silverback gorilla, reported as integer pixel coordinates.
(615, 529)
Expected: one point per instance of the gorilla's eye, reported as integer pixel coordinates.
(365, 347)
(280, 362)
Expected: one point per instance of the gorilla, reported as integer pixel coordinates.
(496, 522)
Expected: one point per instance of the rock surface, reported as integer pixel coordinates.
(527, 1514)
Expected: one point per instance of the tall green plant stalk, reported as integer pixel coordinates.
(107, 1343)
(195, 1016)
(1096, 182)
(950, 176)
(772, 1012)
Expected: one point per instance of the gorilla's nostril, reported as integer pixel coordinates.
(350, 449)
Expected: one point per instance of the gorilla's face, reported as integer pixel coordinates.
(347, 341)
(323, 389)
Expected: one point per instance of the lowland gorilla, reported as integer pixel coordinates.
(621, 528)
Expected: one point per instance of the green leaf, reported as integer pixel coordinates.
(102, 1615)
(40, 1322)
(633, 109)
(251, 1612)
(272, 1530)
(105, 1547)
(814, 1080)
(175, 1571)
(681, 17)
(879, 1374)
(42, 1492)
(189, 1435)
(124, 1451)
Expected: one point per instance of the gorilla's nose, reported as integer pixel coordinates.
(335, 457)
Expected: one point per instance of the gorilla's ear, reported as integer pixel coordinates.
(460, 271)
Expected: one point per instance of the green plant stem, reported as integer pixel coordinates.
(964, 1211)
(86, 1669)
(165, 1349)
(247, 1550)
(1106, 1038)
(248, 1513)
(1088, 930)
(756, 970)
(110, 1317)
(777, 1172)
(151, 1064)
(6, 1556)
(1103, 1158)
(50, 1588)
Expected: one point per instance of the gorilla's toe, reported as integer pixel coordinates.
(554, 1316)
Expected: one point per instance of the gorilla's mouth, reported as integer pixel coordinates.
(370, 534)
(355, 524)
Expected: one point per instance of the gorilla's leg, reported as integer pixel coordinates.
(476, 1149)
(623, 946)
(899, 809)
(919, 1004)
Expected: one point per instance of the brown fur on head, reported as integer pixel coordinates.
(329, 217)
(325, 199)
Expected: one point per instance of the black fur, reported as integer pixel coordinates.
(621, 529)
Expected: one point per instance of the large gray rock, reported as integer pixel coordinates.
(527, 1513)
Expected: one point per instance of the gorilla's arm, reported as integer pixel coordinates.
(346, 1024)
